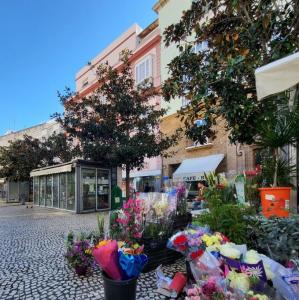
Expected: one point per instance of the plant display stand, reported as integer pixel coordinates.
(181, 222)
(158, 254)
(157, 251)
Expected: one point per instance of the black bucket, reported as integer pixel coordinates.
(119, 289)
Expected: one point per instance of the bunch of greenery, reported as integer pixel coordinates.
(252, 194)
(217, 193)
(157, 230)
(276, 237)
(276, 132)
(115, 230)
(225, 215)
(229, 219)
(101, 223)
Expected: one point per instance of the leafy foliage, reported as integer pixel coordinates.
(276, 237)
(119, 122)
(224, 215)
(278, 130)
(229, 219)
(59, 148)
(219, 80)
(22, 156)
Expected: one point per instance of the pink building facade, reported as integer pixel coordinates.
(145, 60)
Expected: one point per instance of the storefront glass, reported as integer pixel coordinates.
(71, 191)
(56, 190)
(36, 190)
(103, 188)
(88, 183)
(62, 189)
(42, 190)
(147, 184)
(49, 191)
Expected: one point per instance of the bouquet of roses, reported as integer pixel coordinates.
(189, 242)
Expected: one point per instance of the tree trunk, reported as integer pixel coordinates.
(127, 182)
(276, 167)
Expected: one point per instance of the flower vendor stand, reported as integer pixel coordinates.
(164, 214)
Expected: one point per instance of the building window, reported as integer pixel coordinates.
(192, 144)
(85, 82)
(144, 69)
(200, 47)
(185, 101)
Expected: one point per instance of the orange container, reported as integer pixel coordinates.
(275, 201)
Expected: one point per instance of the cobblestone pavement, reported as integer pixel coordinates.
(32, 265)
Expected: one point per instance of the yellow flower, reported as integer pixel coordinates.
(88, 251)
(211, 240)
(120, 244)
(102, 243)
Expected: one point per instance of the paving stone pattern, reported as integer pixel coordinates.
(32, 265)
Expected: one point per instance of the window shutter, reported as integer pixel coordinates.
(143, 70)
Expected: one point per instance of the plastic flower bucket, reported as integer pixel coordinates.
(119, 289)
(275, 201)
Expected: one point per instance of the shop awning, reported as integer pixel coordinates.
(193, 169)
(143, 173)
(277, 76)
(51, 170)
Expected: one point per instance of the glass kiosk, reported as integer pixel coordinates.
(79, 186)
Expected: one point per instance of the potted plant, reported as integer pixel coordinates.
(79, 254)
(275, 133)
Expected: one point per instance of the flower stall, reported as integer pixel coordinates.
(220, 269)
(150, 220)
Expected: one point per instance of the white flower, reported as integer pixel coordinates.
(239, 281)
(229, 251)
(253, 257)
(254, 271)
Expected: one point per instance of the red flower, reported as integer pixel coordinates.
(181, 239)
(220, 186)
(225, 239)
(197, 253)
(182, 247)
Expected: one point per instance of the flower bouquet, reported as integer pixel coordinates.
(130, 219)
(244, 269)
(79, 254)
(121, 264)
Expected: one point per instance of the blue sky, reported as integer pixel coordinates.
(43, 43)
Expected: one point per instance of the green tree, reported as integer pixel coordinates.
(20, 157)
(219, 80)
(59, 149)
(119, 122)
